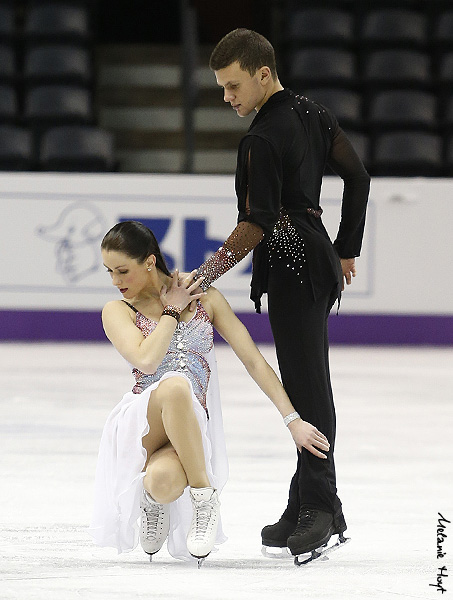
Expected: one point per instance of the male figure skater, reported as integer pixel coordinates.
(281, 162)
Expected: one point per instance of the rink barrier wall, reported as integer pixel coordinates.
(53, 285)
(63, 326)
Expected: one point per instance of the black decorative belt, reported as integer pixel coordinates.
(315, 213)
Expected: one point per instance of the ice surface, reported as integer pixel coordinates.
(394, 467)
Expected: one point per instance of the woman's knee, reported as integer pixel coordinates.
(176, 386)
(175, 390)
(165, 481)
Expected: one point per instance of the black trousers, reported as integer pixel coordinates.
(299, 327)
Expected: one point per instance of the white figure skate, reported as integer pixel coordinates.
(155, 523)
(203, 529)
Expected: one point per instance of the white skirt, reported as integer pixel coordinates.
(119, 472)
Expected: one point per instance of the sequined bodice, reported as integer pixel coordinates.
(189, 346)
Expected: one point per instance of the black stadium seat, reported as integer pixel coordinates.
(7, 26)
(407, 154)
(401, 68)
(397, 109)
(8, 104)
(77, 148)
(16, 148)
(57, 64)
(58, 104)
(321, 26)
(393, 27)
(54, 22)
(443, 31)
(8, 72)
(323, 66)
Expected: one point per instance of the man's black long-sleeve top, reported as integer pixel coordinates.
(281, 163)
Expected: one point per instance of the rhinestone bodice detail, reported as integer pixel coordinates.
(187, 353)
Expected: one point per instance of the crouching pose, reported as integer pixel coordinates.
(162, 457)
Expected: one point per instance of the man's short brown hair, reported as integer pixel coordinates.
(250, 49)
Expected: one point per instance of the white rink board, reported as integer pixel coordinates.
(52, 225)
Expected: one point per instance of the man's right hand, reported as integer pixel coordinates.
(193, 305)
(349, 271)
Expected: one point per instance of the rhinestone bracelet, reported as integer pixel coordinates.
(172, 311)
(290, 418)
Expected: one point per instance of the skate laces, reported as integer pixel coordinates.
(203, 513)
(152, 514)
(306, 519)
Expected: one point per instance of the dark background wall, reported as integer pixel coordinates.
(142, 21)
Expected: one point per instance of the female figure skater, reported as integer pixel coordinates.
(162, 454)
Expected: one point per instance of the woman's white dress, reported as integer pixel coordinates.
(119, 471)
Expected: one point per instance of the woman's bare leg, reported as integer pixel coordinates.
(165, 479)
(174, 445)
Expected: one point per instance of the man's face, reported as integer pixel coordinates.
(244, 92)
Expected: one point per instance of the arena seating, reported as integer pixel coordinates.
(47, 83)
(387, 73)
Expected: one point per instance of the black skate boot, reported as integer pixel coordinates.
(314, 529)
(339, 522)
(276, 536)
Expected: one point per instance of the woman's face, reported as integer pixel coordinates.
(128, 275)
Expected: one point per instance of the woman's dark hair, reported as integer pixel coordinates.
(136, 240)
(249, 48)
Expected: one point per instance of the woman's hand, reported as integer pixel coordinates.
(307, 436)
(181, 291)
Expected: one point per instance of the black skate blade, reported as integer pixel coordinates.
(320, 553)
(275, 552)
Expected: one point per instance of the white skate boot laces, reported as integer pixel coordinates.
(203, 515)
(153, 513)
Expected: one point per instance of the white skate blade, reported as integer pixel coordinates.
(200, 562)
(275, 552)
(320, 553)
